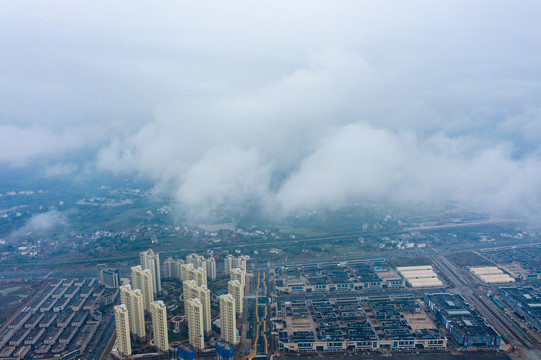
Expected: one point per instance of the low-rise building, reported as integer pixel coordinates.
(346, 276)
(420, 276)
(358, 324)
(491, 274)
(462, 321)
(526, 301)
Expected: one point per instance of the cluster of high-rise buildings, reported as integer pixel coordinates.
(232, 262)
(231, 304)
(139, 298)
(173, 268)
(197, 297)
(151, 261)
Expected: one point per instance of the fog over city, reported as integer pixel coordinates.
(42, 223)
(289, 105)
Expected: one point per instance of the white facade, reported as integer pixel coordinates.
(238, 274)
(237, 290)
(192, 291)
(420, 276)
(228, 319)
(134, 301)
(189, 272)
(142, 280)
(211, 268)
(151, 261)
(159, 325)
(194, 316)
(122, 323)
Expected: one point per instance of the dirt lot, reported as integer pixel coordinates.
(468, 258)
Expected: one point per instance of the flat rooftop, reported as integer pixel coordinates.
(458, 312)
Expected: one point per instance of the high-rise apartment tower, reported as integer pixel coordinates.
(122, 322)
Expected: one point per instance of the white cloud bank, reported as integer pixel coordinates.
(42, 222)
(291, 105)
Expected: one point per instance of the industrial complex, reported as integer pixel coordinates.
(61, 320)
(359, 324)
(343, 307)
(526, 301)
(346, 276)
(520, 262)
(462, 321)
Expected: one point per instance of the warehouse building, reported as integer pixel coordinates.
(491, 275)
(462, 321)
(526, 301)
(346, 276)
(54, 325)
(359, 324)
(420, 276)
(520, 262)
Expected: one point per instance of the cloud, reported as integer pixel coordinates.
(59, 170)
(223, 176)
(23, 145)
(42, 223)
(289, 105)
(363, 162)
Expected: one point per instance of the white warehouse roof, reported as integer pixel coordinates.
(411, 268)
(419, 274)
(486, 270)
(427, 282)
(496, 278)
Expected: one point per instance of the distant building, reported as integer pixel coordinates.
(142, 280)
(151, 261)
(228, 318)
(172, 268)
(108, 277)
(200, 276)
(122, 323)
(211, 268)
(194, 316)
(241, 262)
(159, 325)
(249, 282)
(186, 272)
(188, 292)
(238, 274)
(231, 262)
(189, 272)
(169, 268)
(197, 261)
(237, 290)
(178, 269)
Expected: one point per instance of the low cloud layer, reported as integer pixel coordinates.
(289, 106)
(41, 223)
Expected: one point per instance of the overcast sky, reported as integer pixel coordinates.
(292, 104)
